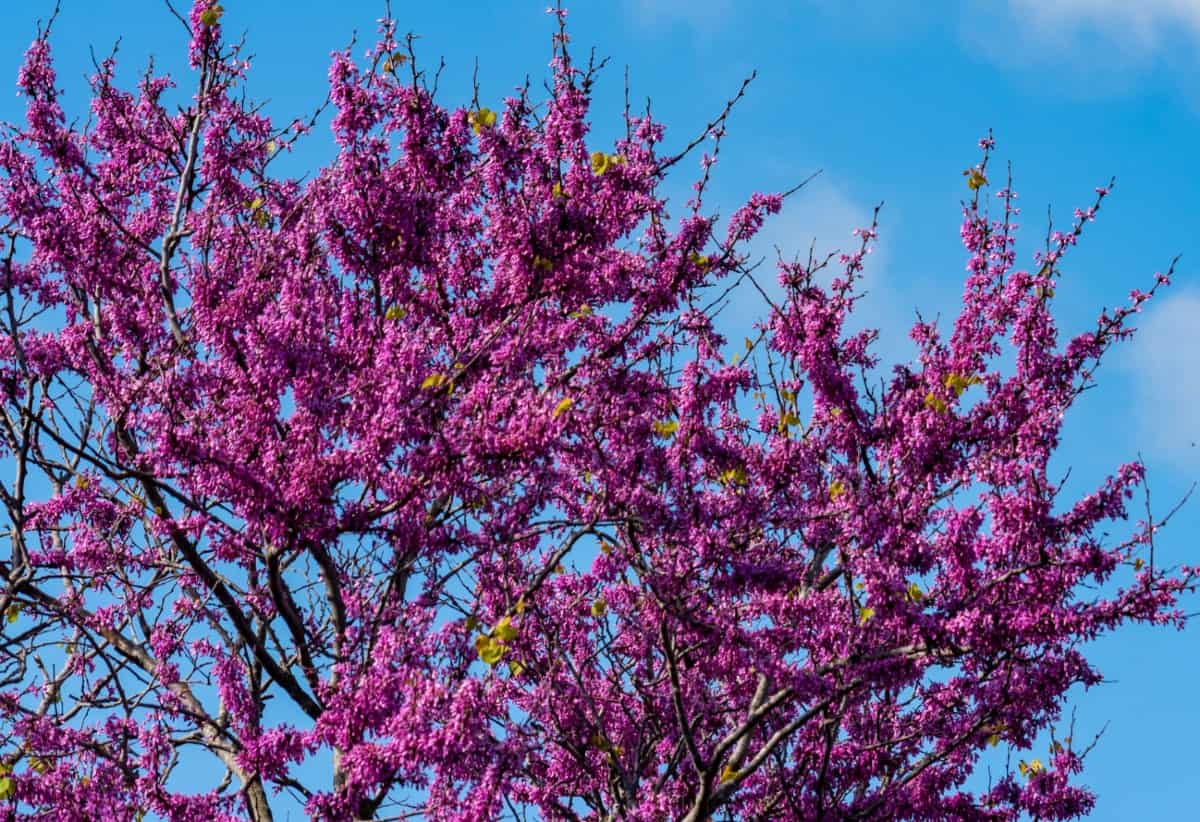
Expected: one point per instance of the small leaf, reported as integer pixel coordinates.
(600, 162)
(515, 668)
(729, 774)
(395, 60)
(395, 313)
(665, 428)
(584, 310)
(956, 383)
(865, 615)
(481, 119)
(436, 380)
(211, 15)
(542, 264)
(7, 787)
(599, 608)
(563, 405)
(504, 630)
(914, 593)
(557, 192)
(702, 262)
(734, 476)
(489, 650)
(975, 179)
(936, 403)
(1138, 563)
(13, 613)
(993, 740)
(519, 608)
(836, 489)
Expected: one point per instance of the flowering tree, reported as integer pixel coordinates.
(424, 488)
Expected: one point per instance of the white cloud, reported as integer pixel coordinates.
(1161, 361)
(822, 216)
(1131, 24)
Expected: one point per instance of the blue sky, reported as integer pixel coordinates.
(887, 99)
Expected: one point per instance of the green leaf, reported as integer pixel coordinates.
(212, 15)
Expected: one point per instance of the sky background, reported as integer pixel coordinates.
(887, 99)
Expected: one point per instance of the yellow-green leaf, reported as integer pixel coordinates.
(599, 608)
(563, 406)
(665, 428)
(515, 668)
(955, 382)
(504, 630)
(700, 261)
(993, 740)
(13, 612)
(211, 15)
(975, 179)
(7, 787)
(584, 310)
(865, 615)
(734, 476)
(489, 650)
(787, 419)
(836, 489)
(481, 119)
(395, 60)
(542, 264)
(600, 162)
(729, 774)
(436, 380)
(936, 403)
(395, 313)
(914, 593)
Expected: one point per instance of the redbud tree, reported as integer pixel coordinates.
(424, 486)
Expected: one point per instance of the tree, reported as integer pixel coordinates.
(423, 486)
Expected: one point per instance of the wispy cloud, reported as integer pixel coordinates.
(1161, 361)
(1131, 24)
(822, 218)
